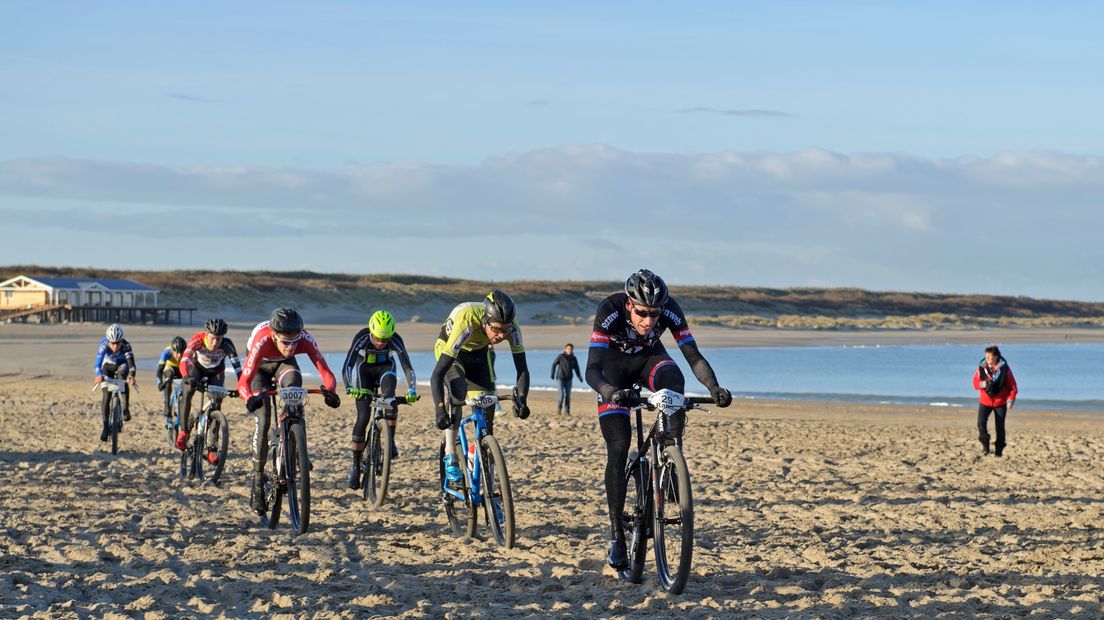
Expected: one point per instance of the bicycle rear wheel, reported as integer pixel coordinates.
(459, 512)
(218, 440)
(378, 463)
(637, 517)
(674, 521)
(116, 422)
(298, 478)
(498, 501)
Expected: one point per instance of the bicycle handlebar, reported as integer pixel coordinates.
(454, 401)
(276, 391)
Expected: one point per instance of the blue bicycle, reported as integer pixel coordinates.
(485, 480)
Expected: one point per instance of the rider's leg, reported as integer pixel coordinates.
(663, 373)
(360, 428)
(387, 389)
(190, 383)
(121, 373)
(105, 406)
(617, 432)
(167, 376)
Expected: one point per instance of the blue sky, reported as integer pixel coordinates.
(903, 146)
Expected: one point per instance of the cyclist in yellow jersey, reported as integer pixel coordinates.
(168, 368)
(464, 363)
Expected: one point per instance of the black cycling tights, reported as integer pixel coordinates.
(617, 431)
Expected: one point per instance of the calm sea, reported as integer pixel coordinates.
(1052, 376)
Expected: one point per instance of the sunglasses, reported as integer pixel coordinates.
(498, 329)
(291, 341)
(650, 314)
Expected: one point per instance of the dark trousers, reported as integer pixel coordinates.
(564, 401)
(999, 414)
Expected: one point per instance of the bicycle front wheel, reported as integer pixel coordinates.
(459, 512)
(298, 478)
(218, 442)
(378, 463)
(116, 423)
(498, 501)
(637, 516)
(674, 521)
(172, 421)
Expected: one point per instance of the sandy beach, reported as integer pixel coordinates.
(803, 509)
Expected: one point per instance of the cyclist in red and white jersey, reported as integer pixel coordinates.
(273, 346)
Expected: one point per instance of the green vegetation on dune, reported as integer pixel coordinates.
(254, 292)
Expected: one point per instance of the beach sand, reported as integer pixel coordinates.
(802, 509)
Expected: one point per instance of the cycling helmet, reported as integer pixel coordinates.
(114, 332)
(178, 344)
(217, 327)
(498, 308)
(382, 325)
(285, 321)
(646, 289)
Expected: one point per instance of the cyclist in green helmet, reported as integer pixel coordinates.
(370, 364)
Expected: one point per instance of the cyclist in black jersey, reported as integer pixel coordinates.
(625, 349)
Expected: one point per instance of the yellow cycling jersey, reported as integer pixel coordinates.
(463, 331)
(167, 358)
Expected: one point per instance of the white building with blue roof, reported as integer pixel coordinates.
(24, 292)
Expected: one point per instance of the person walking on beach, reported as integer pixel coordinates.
(562, 367)
(625, 348)
(996, 394)
(370, 364)
(465, 363)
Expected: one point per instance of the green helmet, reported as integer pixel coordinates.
(382, 325)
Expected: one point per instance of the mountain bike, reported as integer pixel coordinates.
(115, 408)
(289, 474)
(209, 436)
(375, 465)
(658, 503)
(484, 480)
(172, 417)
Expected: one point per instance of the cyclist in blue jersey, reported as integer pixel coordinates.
(115, 359)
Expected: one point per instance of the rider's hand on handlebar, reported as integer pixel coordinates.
(624, 397)
(254, 403)
(721, 396)
(99, 378)
(411, 396)
(333, 401)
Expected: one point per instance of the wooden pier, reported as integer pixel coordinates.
(66, 313)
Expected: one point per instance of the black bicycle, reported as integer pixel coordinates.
(289, 474)
(375, 466)
(209, 436)
(659, 504)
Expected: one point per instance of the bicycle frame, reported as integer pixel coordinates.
(469, 450)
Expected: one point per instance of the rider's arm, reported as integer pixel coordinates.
(232, 353)
(596, 361)
(100, 356)
(128, 353)
(404, 358)
(437, 379)
(522, 374)
(252, 359)
(680, 329)
(352, 357)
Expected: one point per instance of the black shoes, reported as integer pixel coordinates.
(394, 450)
(103, 433)
(999, 451)
(617, 557)
(126, 415)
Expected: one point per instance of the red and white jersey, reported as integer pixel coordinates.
(262, 348)
(210, 359)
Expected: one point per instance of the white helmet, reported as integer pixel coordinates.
(114, 333)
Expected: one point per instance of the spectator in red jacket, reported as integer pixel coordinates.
(996, 394)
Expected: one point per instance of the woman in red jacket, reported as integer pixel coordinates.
(996, 394)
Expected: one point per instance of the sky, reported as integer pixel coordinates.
(941, 146)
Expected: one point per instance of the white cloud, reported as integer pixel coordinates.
(876, 220)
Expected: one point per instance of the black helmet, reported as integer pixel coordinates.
(178, 344)
(216, 326)
(285, 321)
(498, 308)
(646, 289)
